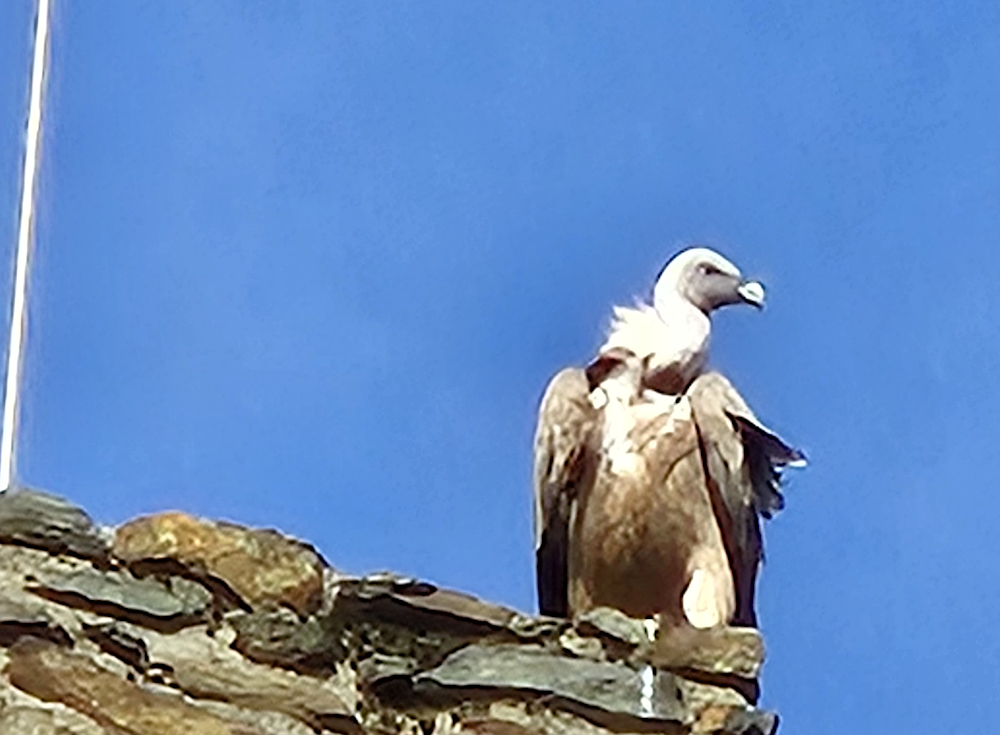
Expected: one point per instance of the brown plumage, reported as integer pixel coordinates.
(649, 503)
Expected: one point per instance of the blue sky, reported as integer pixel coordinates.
(309, 265)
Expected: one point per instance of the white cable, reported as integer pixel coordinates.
(10, 404)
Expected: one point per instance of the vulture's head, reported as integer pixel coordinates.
(705, 279)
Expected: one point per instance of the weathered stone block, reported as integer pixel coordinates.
(53, 674)
(45, 521)
(18, 620)
(22, 720)
(609, 691)
(205, 667)
(735, 651)
(262, 567)
(279, 638)
(163, 605)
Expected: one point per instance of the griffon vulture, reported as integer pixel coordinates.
(650, 474)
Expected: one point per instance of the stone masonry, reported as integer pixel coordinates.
(173, 625)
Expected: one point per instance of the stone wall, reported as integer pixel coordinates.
(171, 625)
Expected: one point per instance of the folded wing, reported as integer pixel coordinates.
(566, 452)
(742, 462)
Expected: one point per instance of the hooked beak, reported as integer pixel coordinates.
(752, 292)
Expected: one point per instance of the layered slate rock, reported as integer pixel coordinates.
(605, 690)
(18, 620)
(281, 638)
(54, 674)
(182, 625)
(168, 604)
(45, 521)
(207, 667)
